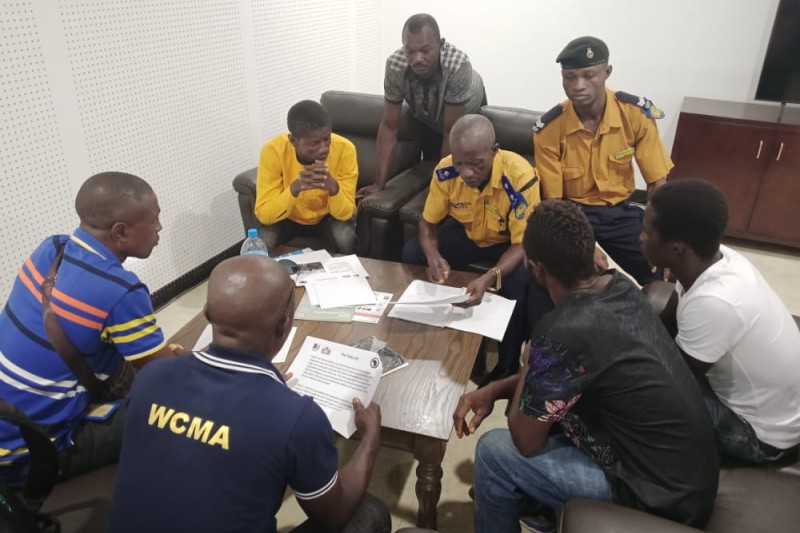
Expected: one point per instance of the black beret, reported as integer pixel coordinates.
(583, 52)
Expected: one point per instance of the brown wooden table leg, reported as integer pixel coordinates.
(429, 452)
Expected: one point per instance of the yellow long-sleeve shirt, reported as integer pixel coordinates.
(278, 168)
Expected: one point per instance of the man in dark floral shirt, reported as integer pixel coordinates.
(604, 409)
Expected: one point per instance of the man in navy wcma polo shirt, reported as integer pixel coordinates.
(212, 439)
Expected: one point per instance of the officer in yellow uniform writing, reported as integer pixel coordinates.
(585, 148)
(306, 182)
(479, 200)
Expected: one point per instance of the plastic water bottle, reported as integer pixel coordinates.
(253, 245)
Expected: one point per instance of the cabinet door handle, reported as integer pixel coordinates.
(780, 151)
(760, 146)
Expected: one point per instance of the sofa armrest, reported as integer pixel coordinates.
(399, 190)
(245, 186)
(589, 516)
(379, 231)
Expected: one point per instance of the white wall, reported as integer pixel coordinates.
(181, 93)
(184, 93)
(662, 50)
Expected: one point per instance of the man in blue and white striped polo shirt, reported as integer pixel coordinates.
(103, 309)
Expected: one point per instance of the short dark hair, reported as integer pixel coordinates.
(415, 23)
(306, 116)
(104, 197)
(559, 236)
(692, 211)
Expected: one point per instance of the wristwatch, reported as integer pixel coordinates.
(499, 281)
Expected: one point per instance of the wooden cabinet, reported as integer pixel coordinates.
(752, 157)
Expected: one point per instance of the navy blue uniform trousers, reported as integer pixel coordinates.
(617, 229)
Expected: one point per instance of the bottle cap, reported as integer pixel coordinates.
(252, 232)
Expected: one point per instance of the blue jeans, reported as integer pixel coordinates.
(735, 437)
(503, 478)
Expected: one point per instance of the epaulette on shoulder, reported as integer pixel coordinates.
(547, 117)
(647, 106)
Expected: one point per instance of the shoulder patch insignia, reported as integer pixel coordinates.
(647, 106)
(518, 202)
(547, 117)
(446, 173)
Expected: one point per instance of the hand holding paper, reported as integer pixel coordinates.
(334, 374)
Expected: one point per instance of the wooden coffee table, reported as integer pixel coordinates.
(417, 402)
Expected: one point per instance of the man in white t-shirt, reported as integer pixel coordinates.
(732, 327)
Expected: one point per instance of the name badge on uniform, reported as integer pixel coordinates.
(625, 153)
(518, 202)
(446, 173)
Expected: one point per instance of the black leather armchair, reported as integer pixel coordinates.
(357, 116)
(748, 500)
(513, 131)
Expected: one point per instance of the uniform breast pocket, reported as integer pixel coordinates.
(462, 215)
(576, 182)
(495, 221)
(620, 169)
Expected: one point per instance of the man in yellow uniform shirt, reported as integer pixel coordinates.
(585, 149)
(306, 182)
(479, 200)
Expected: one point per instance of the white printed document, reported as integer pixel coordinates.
(340, 292)
(423, 292)
(205, 339)
(333, 374)
(489, 318)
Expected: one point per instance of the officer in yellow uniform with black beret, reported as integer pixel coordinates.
(585, 149)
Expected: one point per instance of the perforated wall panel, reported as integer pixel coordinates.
(161, 93)
(34, 186)
(310, 47)
(180, 92)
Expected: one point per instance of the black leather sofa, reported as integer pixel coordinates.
(357, 116)
(388, 218)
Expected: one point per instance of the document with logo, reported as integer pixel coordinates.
(489, 318)
(333, 374)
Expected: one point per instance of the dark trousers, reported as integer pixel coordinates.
(736, 438)
(339, 235)
(371, 516)
(96, 444)
(531, 302)
(617, 229)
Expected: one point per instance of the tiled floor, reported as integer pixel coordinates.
(394, 477)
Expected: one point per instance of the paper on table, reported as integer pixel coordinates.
(205, 340)
(280, 357)
(333, 374)
(346, 291)
(317, 256)
(423, 292)
(373, 313)
(306, 311)
(489, 319)
(346, 265)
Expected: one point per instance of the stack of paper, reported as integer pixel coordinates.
(336, 282)
(431, 304)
